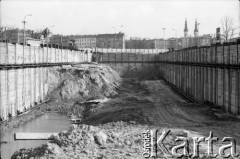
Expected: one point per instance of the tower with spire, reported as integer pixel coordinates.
(185, 29)
(196, 29)
(185, 40)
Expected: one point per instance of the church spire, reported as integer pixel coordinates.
(196, 29)
(185, 29)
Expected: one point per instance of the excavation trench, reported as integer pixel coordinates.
(116, 111)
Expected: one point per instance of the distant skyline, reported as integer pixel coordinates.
(139, 18)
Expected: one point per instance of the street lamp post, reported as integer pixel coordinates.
(24, 22)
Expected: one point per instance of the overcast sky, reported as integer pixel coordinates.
(139, 18)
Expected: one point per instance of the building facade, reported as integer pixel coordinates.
(33, 42)
(90, 41)
(116, 41)
(60, 40)
(15, 35)
(139, 43)
(85, 41)
(159, 44)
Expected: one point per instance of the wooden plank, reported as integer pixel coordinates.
(41, 83)
(27, 55)
(233, 96)
(89, 57)
(19, 54)
(33, 136)
(111, 57)
(19, 90)
(3, 94)
(118, 57)
(27, 88)
(45, 51)
(3, 54)
(233, 54)
(105, 57)
(11, 54)
(32, 78)
(132, 57)
(32, 54)
(11, 92)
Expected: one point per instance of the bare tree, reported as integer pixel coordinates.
(227, 25)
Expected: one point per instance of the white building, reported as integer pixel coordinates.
(85, 41)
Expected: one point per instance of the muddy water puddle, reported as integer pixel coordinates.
(49, 122)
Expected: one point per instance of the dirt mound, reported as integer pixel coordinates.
(82, 82)
(118, 140)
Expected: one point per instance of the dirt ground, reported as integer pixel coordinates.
(113, 129)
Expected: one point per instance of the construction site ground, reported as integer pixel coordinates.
(113, 128)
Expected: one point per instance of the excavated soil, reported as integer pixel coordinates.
(115, 116)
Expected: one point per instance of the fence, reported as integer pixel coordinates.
(128, 56)
(208, 74)
(16, 54)
(139, 51)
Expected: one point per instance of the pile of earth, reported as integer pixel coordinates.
(72, 88)
(118, 140)
(82, 82)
